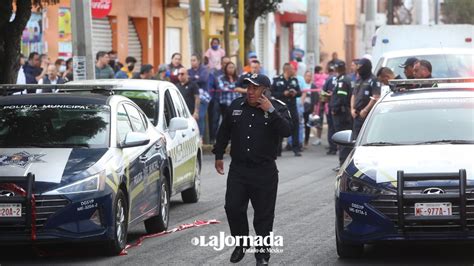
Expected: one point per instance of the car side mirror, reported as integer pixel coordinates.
(178, 123)
(343, 138)
(134, 139)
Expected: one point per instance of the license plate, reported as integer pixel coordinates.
(10, 210)
(433, 209)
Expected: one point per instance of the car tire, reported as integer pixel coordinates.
(191, 195)
(347, 251)
(159, 223)
(120, 224)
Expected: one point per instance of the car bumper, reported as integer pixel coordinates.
(359, 222)
(64, 218)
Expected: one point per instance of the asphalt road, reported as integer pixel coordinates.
(304, 218)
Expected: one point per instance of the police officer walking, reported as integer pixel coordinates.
(285, 88)
(364, 96)
(254, 125)
(341, 106)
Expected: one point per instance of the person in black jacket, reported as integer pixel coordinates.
(286, 89)
(254, 125)
(341, 106)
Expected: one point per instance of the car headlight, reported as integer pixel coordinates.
(357, 185)
(89, 184)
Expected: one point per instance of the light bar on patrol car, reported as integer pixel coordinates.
(20, 88)
(397, 84)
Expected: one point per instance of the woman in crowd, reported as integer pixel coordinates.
(226, 86)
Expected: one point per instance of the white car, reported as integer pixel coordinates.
(447, 63)
(164, 105)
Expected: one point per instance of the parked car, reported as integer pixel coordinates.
(447, 63)
(164, 105)
(79, 168)
(410, 176)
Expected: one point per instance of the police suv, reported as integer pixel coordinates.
(79, 168)
(410, 176)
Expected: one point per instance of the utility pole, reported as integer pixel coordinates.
(241, 33)
(390, 12)
(370, 12)
(195, 27)
(312, 35)
(83, 60)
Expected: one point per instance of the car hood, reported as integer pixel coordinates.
(51, 166)
(381, 163)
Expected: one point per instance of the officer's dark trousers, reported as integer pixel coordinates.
(295, 129)
(259, 186)
(358, 122)
(342, 122)
(331, 131)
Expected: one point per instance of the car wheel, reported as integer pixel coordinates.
(159, 223)
(191, 195)
(120, 224)
(347, 250)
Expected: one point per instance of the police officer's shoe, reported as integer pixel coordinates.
(237, 255)
(262, 261)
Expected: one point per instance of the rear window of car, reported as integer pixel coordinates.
(55, 125)
(146, 100)
(444, 65)
(424, 120)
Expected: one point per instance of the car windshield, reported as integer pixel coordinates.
(146, 100)
(424, 121)
(54, 125)
(444, 65)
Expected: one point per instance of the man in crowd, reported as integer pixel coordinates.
(200, 75)
(34, 69)
(51, 78)
(364, 96)
(240, 85)
(408, 67)
(146, 72)
(341, 107)
(126, 72)
(327, 92)
(422, 69)
(190, 92)
(102, 68)
(286, 89)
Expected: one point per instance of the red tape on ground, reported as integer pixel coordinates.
(182, 227)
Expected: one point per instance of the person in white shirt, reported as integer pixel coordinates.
(51, 78)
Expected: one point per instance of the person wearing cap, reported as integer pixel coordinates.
(126, 72)
(422, 69)
(286, 89)
(325, 95)
(341, 106)
(254, 124)
(408, 67)
(364, 95)
(162, 73)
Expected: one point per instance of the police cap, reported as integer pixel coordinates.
(409, 62)
(258, 80)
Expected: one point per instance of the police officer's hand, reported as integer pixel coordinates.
(292, 92)
(363, 113)
(220, 166)
(353, 113)
(286, 93)
(264, 103)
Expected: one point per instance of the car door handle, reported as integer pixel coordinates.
(143, 158)
(183, 135)
(193, 129)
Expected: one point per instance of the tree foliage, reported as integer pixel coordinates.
(253, 10)
(458, 11)
(10, 34)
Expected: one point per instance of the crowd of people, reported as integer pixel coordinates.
(342, 96)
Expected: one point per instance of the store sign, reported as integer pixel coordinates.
(79, 67)
(101, 8)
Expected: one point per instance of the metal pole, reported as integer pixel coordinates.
(195, 27)
(390, 12)
(241, 33)
(312, 35)
(83, 60)
(370, 13)
(207, 19)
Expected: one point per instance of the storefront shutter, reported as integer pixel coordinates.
(134, 45)
(101, 36)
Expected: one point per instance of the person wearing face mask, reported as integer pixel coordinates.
(126, 72)
(365, 94)
(60, 65)
(214, 54)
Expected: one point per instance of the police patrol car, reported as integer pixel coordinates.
(165, 107)
(410, 176)
(79, 168)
